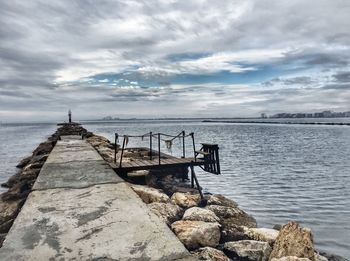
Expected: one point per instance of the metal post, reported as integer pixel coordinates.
(115, 147)
(193, 174)
(183, 144)
(217, 160)
(194, 147)
(159, 148)
(150, 145)
(121, 155)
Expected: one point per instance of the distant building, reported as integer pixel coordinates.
(263, 115)
(324, 114)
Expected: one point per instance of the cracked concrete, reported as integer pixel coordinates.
(81, 210)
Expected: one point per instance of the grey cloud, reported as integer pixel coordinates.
(41, 41)
(299, 81)
(342, 77)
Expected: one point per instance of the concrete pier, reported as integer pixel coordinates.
(80, 209)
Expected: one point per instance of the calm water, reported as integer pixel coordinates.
(275, 172)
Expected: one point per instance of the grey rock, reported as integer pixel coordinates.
(166, 211)
(249, 249)
(195, 234)
(221, 200)
(232, 215)
(200, 214)
(210, 254)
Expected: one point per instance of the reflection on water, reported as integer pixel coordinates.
(275, 172)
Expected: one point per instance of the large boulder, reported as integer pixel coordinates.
(332, 257)
(2, 238)
(8, 212)
(232, 215)
(44, 148)
(293, 240)
(166, 211)
(195, 234)
(210, 254)
(248, 250)
(186, 200)
(150, 195)
(231, 232)
(200, 214)
(263, 234)
(24, 162)
(97, 141)
(290, 258)
(319, 257)
(39, 158)
(220, 200)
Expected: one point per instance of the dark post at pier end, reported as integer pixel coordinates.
(70, 116)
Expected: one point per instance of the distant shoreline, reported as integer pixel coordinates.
(279, 122)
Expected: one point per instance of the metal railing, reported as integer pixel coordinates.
(159, 136)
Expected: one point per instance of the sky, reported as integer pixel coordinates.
(164, 58)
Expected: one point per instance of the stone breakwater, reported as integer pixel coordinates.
(20, 184)
(214, 229)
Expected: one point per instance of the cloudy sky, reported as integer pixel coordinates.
(163, 58)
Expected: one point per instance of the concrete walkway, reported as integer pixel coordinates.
(81, 210)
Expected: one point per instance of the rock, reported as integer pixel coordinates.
(319, 257)
(43, 148)
(8, 211)
(195, 234)
(290, 258)
(39, 158)
(5, 227)
(293, 241)
(107, 154)
(150, 195)
(28, 175)
(235, 216)
(277, 227)
(200, 214)
(232, 232)
(249, 249)
(167, 211)
(12, 181)
(34, 165)
(332, 257)
(210, 254)
(97, 140)
(24, 162)
(186, 200)
(262, 234)
(220, 200)
(2, 238)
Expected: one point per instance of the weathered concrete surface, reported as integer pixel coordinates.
(75, 164)
(61, 221)
(102, 221)
(75, 174)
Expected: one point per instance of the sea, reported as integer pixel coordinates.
(275, 172)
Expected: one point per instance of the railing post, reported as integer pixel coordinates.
(194, 178)
(159, 148)
(121, 155)
(115, 147)
(194, 147)
(150, 145)
(183, 144)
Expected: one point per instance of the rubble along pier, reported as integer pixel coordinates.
(79, 209)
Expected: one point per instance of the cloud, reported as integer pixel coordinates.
(132, 57)
(343, 77)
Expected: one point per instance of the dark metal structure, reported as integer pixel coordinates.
(206, 158)
(70, 116)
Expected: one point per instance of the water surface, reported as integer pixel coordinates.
(276, 173)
